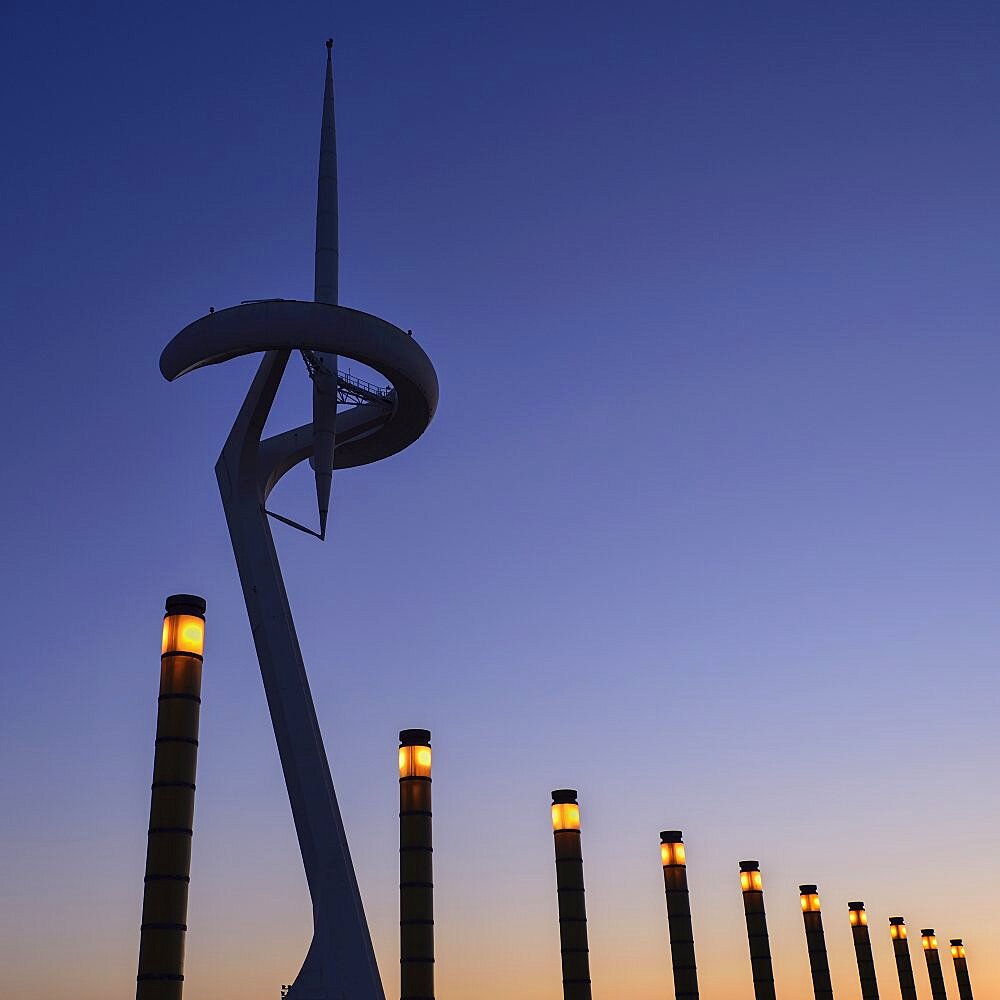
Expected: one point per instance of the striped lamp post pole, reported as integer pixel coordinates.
(171, 811)
(760, 947)
(675, 882)
(961, 969)
(572, 898)
(416, 867)
(901, 952)
(935, 973)
(863, 950)
(819, 964)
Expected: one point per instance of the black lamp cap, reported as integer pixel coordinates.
(927, 932)
(186, 604)
(564, 796)
(749, 866)
(957, 942)
(671, 837)
(896, 921)
(807, 890)
(414, 737)
(856, 906)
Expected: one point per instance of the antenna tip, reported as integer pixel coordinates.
(329, 43)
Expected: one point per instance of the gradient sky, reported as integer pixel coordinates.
(705, 525)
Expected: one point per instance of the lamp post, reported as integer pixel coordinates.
(760, 947)
(961, 969)
(171, 811)
(674, 860)
(819, 964)
(863, 950)
(572, 899)
(901, 952)
(934, 971)
(416, 867)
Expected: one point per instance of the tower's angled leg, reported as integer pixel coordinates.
(341, 961)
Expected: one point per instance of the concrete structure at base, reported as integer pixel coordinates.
(819, 964)
(904, 964)
(573, 944)
(171, 811)
(354, 422)
(752, 885)
(416, 867)
(961, 969)
(928, 940)
(863, 950)
(673, 858)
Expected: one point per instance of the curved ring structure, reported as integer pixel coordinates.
(293, 325)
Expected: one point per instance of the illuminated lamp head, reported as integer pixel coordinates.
(809, 894)
(897, 928)
(415, 753)
(957, 948)
(565, 810)
(928, 939)
(750, 879)
(184, 625)
(857, 914)
(672, 849)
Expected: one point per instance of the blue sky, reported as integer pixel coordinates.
(704, 526)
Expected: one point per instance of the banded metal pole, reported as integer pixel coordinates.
(901, 952)
(863, 950)
(760, 946)
(572, 898)
(416, 867)
(934, 971)
(675, 882)
(171, 812)
(961, 969)
(819, 964)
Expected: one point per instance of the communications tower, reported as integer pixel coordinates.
(353, 423)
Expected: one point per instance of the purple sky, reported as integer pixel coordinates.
(704, 526)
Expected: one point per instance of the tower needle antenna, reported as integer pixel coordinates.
(326, 290)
